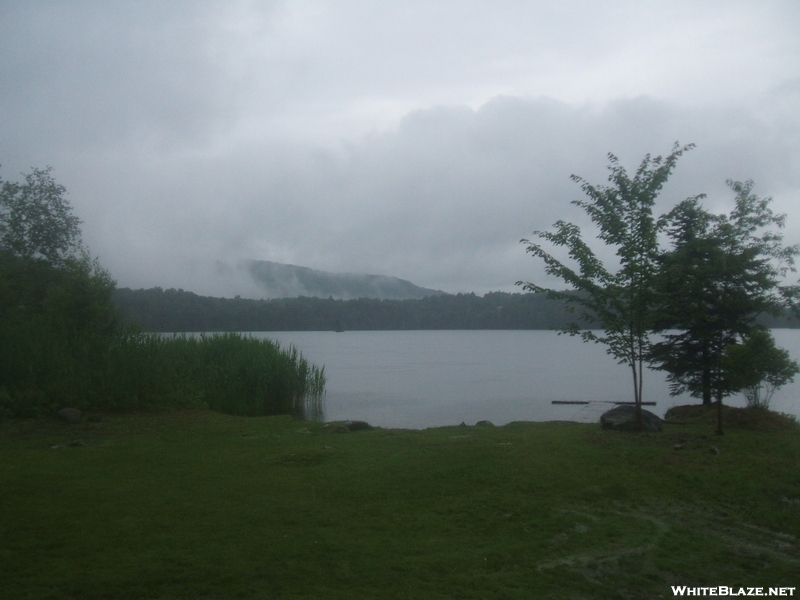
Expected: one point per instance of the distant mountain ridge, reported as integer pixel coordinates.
(278, 280)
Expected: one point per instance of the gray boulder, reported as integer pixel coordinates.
(623, 418)
(357, 425)
(70, 415)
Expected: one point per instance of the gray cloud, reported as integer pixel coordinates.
(420, 140)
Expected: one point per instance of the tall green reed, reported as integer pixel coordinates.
(232, 373)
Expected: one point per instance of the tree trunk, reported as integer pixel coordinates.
(706, 377)
(637, 396)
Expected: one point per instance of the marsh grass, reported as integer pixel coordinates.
(230, 373)
(196, 504)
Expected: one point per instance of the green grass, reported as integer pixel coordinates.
(197, 504)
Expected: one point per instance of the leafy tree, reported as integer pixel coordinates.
(79, 299)
(44, 271)
(57, 316)
(36, 220)
(722, 272)
(620, 298)
(758, 367)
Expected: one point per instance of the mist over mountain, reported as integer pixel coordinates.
(277, 280)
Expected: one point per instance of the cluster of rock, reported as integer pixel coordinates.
(346, 427)
(70, 415)
(623, 418)
(73, 416)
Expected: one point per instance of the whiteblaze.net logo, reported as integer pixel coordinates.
(723, 590)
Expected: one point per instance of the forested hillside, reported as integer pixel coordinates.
(277, 280)
(178, 310)
(157, 309)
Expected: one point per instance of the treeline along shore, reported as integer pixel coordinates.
(172, 310)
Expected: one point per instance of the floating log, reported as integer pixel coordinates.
(628, 402)
(589, 402)
(570, 402)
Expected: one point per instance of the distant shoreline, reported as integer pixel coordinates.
(171, 310)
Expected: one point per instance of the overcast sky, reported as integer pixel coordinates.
(420, 139)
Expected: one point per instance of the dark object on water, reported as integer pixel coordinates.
(617, 402)
(70, 415)
(623, 418)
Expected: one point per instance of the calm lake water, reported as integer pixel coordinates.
(418, 379)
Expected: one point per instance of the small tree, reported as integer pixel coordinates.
(694, 277)
(620, 299)
(722, 272)
(757, 367)
(36, 220)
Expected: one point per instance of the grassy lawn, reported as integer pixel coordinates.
(204, 505)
